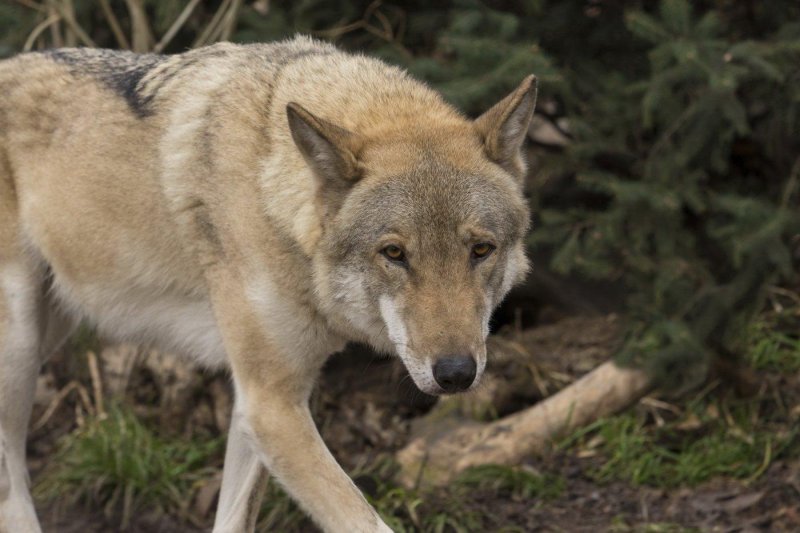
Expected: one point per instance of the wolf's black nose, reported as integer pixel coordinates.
(455, 373)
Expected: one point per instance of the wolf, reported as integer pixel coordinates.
(253, 207)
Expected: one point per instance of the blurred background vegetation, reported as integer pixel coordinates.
(665, 154)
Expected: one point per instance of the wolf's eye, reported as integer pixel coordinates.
(482, 250)
(394, 253)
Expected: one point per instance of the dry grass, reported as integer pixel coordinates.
(59, 23)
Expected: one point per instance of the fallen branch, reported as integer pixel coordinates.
(437, 458)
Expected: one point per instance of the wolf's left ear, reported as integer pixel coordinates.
(329, 150)
(504, 126)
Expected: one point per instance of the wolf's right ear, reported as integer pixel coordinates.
(329, 150)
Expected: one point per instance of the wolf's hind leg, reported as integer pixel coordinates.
(30, 329)
(20, 297)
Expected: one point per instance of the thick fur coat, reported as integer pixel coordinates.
(251, 207)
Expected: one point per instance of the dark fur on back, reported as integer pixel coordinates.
(138, 77)
(121, 71)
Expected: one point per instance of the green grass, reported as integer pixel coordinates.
(511, 482)
(769, 348)
(120, 464)
(714, 437)
(713, 434)
(663, 459)
(454, 509)
(409, 510)
(458, 507)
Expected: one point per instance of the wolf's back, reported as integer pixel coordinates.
(139, 79)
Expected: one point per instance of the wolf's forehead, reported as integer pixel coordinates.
(431, 204)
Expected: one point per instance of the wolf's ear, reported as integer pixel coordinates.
(504, 126)
(329, 150)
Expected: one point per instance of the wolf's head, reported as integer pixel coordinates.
(423, 230)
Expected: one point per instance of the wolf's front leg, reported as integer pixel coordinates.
(296, 456)
(274, 373)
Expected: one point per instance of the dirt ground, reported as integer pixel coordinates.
(366, 407)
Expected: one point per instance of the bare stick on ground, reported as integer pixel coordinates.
(436, 459)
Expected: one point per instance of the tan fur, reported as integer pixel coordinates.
(171, 201)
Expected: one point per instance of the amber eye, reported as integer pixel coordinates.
(482, 250)
(395, 253)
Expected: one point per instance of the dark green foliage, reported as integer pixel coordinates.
(691, 188)
(681, 179)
